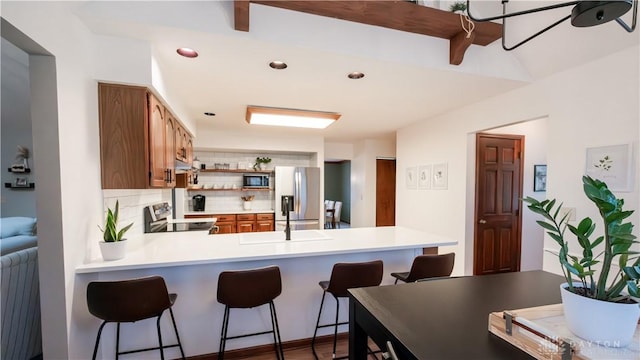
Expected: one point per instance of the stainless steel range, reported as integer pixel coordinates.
(159, 218)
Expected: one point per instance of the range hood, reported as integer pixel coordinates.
(181, 165)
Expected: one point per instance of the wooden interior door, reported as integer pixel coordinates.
(497, 238)
(385, 192)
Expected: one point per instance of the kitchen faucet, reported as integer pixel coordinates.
(285, 211)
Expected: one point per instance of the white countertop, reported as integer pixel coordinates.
(198, 247)
(223, 212)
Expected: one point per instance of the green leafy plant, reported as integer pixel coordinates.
(458, 6)
(261, 160)
(111, 233)
(617, 241)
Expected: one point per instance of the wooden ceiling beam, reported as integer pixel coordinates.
(393, 14)
(241, 15)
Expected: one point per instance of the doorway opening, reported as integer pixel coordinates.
(337, 189)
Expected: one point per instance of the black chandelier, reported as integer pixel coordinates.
(584, 14)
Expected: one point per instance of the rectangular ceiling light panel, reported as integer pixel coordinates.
(258, 115)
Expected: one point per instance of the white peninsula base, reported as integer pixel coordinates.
(191, 261)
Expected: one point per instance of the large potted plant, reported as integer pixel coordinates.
(113, 246)
(596, 307)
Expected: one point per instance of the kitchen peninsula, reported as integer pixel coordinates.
(191, 261)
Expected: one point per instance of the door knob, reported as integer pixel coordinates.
(482, 221)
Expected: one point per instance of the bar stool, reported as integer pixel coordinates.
(131, 301)
(346, 276)
(245, 289)
(427, 266)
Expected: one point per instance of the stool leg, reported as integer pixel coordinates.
(313, 339)
(175, 328)
(223, 333)
(95, 348)
(335, 328)
(117, 341)
(396, 281)
(160, 337)
(276, 331)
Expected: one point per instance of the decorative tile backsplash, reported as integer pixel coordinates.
(231, 200)
(132, 202)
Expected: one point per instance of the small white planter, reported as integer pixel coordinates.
(113, 250)
(247, 205)
(601, 322)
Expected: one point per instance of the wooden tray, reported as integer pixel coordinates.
(542, 333)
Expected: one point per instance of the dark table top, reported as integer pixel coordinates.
(448, 319)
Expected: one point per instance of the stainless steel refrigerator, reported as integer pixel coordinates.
(302, 187)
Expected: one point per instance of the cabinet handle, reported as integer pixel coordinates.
(482, 221)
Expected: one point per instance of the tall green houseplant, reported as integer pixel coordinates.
(110, 230)
(616, 243)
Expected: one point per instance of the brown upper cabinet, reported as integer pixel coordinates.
(137, 139)
(184, 145)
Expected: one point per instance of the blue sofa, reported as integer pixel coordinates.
(20, 289)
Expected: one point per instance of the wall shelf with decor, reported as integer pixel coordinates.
(27, 170)
(30, 186)
(237, 171)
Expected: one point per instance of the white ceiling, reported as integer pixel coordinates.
(408, 77)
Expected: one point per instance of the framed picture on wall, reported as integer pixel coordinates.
(22, 182)
(411, 177)
(440, 177)
(611, 164)
(424, 177)
(539, 177)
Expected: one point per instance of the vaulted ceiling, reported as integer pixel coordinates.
(408, 76)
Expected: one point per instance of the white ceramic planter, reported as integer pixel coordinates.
(247, 205)
(113, 250)
(601, 322)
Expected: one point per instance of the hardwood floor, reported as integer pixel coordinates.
(324, 349)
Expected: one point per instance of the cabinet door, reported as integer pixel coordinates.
(179, 143)
(226, 227)
(170, 149)
(264, 225)
(123, 130)
(185, 151)
(157, 130)
(244, 226)
(189, 146)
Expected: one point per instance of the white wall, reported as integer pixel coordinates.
(67, 142)
(363, 179)
(15, 130)
(591, 105)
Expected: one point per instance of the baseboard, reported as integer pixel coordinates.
(268, 348)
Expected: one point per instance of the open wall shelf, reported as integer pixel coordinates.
(31, 186)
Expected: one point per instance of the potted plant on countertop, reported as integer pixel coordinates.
(113, 246)
(595, 305)
(247, 201)
(261, 163)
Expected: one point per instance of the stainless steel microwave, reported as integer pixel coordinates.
(255, 181)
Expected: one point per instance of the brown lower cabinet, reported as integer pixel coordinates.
(239, 223)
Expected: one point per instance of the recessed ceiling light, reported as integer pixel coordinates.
(278, 65)
(355, 75)
(187, 52)
(210, 114)
(259, 115)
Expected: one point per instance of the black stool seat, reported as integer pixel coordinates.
(427, 266)
(243, 289)
(345, 276)
(130, 301)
